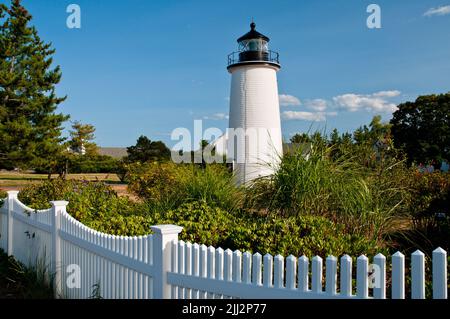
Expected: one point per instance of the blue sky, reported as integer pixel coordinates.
(146, 67)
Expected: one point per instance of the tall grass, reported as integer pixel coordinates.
(314, 182)
(19, 281)
(213, 185)
(166, 186)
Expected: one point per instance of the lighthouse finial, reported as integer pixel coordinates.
(253, 25)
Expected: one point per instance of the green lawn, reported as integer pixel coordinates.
(18, 180)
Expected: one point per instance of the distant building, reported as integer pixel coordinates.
(77, 150)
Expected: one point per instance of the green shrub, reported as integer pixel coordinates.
(298, 235)
(88, 201)
(364, 199)
(89, 164)
(3, 195)
(168, 185)
(160, 184)
(99, 207)
(428, 206)
(202, 223)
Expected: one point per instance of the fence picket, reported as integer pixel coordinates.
(331, 275)
(256, 273)
(316, 282)
(362, 277)
(228, 265)
(303, 273)
(439, 273)
(188, 268)
(247, 268)
(379, 289)
(278, 277)
(211, 267)
(398, 276)
(418, 275)
(268, 270)
(203, 267)
(237, 266)
(195, 268)
(291, 271)
(346, 276)
(181, 266)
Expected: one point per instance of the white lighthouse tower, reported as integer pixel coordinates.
(254, 143)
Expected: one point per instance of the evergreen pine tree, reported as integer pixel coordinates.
(30, 130)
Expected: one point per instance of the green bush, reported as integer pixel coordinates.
(3, 195)
(88, 201)
(340, 188)
(168, 185)
(298, 235)
(428, 206)
(89, 164)
(98, 206)
(93, 164)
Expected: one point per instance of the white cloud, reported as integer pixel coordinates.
(216, 116)
(288, 100)
(319, 105)
(376, 102)
(307, 116)
(439, 11)
(392, 93)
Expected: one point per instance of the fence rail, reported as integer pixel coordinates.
(161, 266)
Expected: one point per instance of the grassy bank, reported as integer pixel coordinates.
(20, 282)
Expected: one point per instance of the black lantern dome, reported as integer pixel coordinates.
(253, 48)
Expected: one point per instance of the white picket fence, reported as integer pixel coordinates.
(161, 266)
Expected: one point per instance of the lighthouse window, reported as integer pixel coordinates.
(253, 45)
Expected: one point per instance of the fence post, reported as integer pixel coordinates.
(58, 208)
(12, 195)
(164, 235)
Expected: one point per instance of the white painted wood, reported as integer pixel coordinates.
(160, 253)
(316, 281)
(211, 267)
(228, 265)
(331, 275)
(203, 267)
(346, 276)
(278, 277)
(379, 289)
(256, 272)
(11, 199)
(247, 268)
(188, 268)
(58, 209)
(268, 271)
(195, 267)
(181, 266)
(439, 273)
(362, 277)
(303, 274)
(237, 266)
(398, 276)
(418, 275)
(291, 274)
